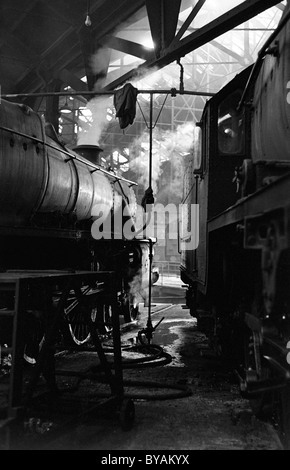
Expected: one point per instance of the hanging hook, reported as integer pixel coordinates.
(181, 84)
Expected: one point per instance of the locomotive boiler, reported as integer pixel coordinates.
(238, 277)
(68, 270)
(50, 196)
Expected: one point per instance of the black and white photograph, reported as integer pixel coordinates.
(144, 229)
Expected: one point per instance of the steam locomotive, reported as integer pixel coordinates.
(50, 198)
(238, 277)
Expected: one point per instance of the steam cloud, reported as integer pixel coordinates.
(166, 145)
(92, 129)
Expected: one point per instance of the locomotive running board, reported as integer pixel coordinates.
(265, 200)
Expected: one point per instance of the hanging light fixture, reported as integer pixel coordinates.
(65, 109)
(88, 19)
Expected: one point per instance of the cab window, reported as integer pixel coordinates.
(231, 126)
(197, 148)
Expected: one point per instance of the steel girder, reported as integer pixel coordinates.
(172, 48)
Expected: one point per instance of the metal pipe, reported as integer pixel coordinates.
(149, 322)
(150, 140)
(173, 92)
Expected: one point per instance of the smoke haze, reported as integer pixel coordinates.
(166, 146)
(92, 129)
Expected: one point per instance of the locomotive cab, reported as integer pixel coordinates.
(238, 276)
(211, 181)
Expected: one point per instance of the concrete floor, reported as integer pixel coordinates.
(203, 410)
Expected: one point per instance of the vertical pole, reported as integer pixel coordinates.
(150, 140)
(149, 322)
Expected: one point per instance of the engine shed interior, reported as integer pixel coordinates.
(144, 163)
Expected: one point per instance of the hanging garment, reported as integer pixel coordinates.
(148, 198)
(125, 104)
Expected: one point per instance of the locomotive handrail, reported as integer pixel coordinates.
(261, 55)
(71, 156)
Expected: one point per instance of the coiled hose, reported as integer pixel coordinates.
(155, 356)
